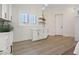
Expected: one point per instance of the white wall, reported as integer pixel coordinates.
(68, 20)
(23, 32)
(77, 29)
(76, 23)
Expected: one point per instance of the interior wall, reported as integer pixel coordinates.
(69, 22)
(23, 32)
(68, 19)
(76, 23)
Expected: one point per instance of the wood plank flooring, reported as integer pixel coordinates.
(53, 45)
(69, 52)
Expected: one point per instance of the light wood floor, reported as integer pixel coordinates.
(56, 45)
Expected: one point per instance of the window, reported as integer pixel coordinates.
(32, 19)
(25, 18)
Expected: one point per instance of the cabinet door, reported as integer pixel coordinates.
(45, 33)
(41, 34)
(7, 11)
(4, 11)
(0, 10)
(35, 35)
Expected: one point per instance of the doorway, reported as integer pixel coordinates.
(59, 24)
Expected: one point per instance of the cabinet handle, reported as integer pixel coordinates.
(5, 15)
(38, 33)
(11, 17)
(11, 49)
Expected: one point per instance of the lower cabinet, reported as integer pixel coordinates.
(5, 43)
(39, 34)
(7, 51)
(35, 35)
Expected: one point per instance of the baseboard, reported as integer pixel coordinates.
(20, 40)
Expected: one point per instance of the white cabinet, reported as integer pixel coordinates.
(10, 12)
(5, 43)
(76, 51)
(6, 11)
(5, 38)
(35, 35)
(0, 10)
(38, 34)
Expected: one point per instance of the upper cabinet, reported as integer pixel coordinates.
(0, 10)
(6, 11)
